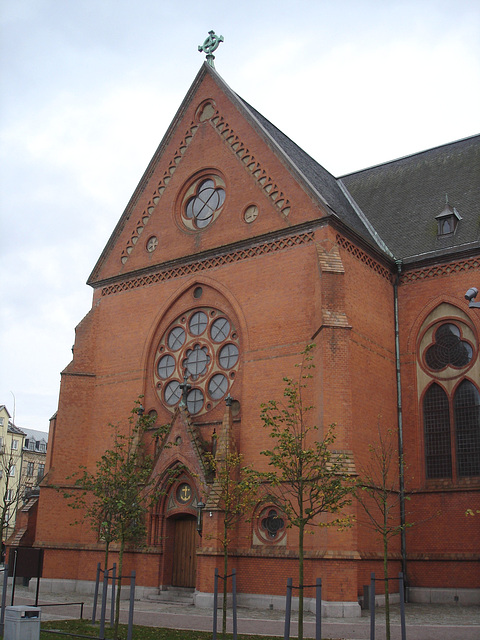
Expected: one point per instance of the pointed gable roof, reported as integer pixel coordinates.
(321, 187)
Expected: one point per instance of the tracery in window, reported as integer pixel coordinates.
(269, 525)
(448, 349)
(203, 202)
(272, 524)
(199, 347)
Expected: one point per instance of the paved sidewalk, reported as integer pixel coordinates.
(424, 622)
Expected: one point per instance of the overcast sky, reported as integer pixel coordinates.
(89, 87)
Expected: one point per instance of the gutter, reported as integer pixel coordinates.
(401, 464)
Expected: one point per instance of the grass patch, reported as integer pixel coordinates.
(86, 628)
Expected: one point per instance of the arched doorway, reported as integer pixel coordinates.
(184, 552)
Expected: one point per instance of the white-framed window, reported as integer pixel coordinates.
(9, 495)
(14, 445)
(12, 471)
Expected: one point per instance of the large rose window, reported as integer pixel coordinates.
(199, 349)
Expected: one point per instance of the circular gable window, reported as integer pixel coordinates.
(203, 202)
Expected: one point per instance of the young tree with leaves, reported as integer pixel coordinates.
(234, 492)
(378, 492)
(308, 479)
(117, 495)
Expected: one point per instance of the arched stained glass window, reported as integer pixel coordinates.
(467, 428)
(436, 423)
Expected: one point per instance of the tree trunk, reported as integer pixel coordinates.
(300, 581)
(119, 589)
(224, 605)
(387, 592)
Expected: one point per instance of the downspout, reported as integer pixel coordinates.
(401, 466)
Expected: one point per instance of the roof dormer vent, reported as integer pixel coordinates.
(447, 221)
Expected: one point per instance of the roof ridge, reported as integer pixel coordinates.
(408, 155)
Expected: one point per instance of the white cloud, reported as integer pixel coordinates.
(88, 90)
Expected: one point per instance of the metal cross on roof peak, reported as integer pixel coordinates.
(210, 45)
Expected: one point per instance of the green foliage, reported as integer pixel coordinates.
(308, 478)
(115, 497)
(236, 489)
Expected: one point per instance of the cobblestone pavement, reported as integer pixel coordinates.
(423, 622)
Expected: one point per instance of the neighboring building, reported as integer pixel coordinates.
(235, 251)
(34, 457)
(11, 447)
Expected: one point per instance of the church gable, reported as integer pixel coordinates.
(215, 181)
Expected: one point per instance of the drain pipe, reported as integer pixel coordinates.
(401, 469)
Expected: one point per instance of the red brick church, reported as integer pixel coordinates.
(235, 251)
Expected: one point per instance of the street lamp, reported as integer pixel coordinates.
(200, 508)
(470, 296)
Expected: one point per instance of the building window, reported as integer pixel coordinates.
(14, 445)
(30, 468)
(203, 202)
(452, 431)
(448, 349)
(12, 471)
(466, 406)
(9, 496)
(41, 471)
(270, 526)
(201, 348)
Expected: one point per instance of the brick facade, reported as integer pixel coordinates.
(298, 273)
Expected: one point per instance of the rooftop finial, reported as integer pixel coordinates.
(210, 45)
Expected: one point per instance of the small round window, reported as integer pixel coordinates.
(203, 202)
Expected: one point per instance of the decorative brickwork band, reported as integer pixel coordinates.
(265, 182)
(155, 199)
(210, 263)
(363, 257)
(440, 270)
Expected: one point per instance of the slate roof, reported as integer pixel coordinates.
(38, 436)
(14, 429)
(402, 198)
(320, 182)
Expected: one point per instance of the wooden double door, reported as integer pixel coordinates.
(184, 552)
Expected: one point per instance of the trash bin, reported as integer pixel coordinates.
(22, 623)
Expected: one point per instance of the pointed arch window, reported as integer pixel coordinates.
(436, 422)
(467, 428)
(452, 431)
